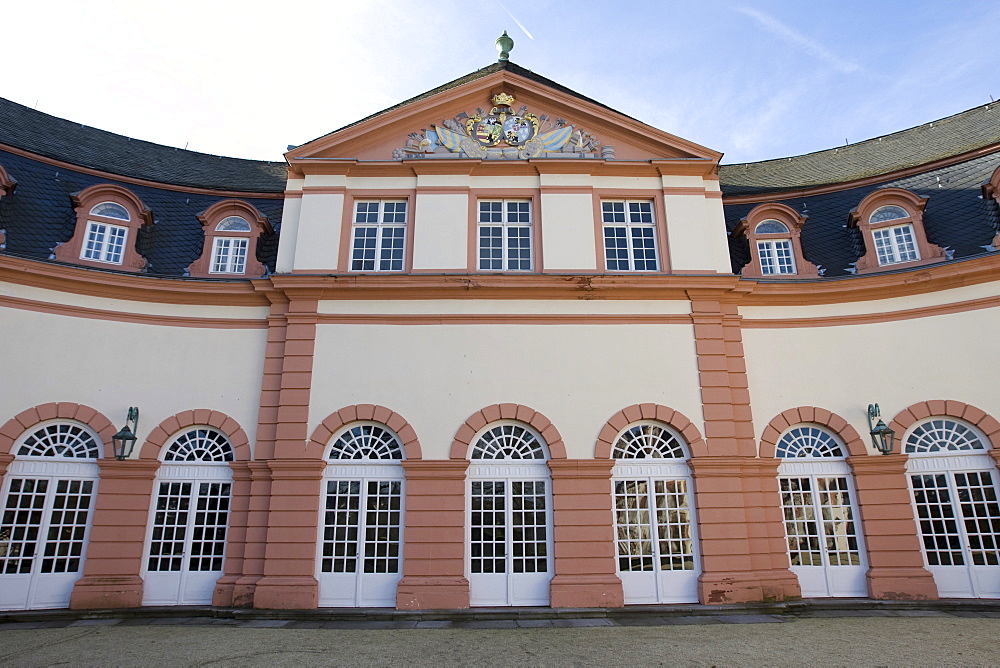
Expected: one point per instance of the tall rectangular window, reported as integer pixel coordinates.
(629, 236)
(895, 244)
(104, 243)
(379, 236)
(776, 257)
(505, 235)
(229, 255)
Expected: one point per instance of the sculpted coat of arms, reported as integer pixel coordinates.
(502, 134)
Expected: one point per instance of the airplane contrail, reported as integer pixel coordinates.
(519, 24)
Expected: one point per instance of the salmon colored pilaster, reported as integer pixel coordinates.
(479, 419)
(236, 535)
(434, 536)
(739, 528)
(895, 563)
(584, 536)
(393, 420)
(117, 537)
(270, 387)
(255, 547)
(289, 581)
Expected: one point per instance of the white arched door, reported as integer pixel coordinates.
(954, 486)
(818, 502)
(655, 530)
(361, 534)
(186, 541)
(46, 505)
(510, 518)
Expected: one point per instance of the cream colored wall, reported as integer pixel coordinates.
(317, 243)
(289, 233)
(895, 364)
(568, 243)
(110, 366)
(506, 307)
(436, 376)
(696, 234)
(440, 232)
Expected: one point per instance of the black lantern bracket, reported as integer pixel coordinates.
(882, 437)
(124, 440)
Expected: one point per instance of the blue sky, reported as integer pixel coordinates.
(755, 80)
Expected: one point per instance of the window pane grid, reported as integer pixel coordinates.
(508, 441)
(104, 243)
(801, 529)
(808, 441)
(341, 522)
(67, 526)
(382, 522)
(170, 521)
(366, 441)
(230, 255)
(776, 257)
(629, 236)
(635, 526)
(943, 435)
(379, 236)
(977, 498)
(208, 533)
(895, 244)
(504, 235)
(936, 517)
(60, 440)
(20, 523)
(648, 441)
(834, 498)
(529, 527)
(673, 524)
(200, 445)
(488, 545)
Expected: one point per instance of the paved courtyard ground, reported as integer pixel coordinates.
(838, 638)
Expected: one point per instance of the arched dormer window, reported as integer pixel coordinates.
(891, 221)
(991, 190)
(108, 219)
(775, 248)
(232, 232)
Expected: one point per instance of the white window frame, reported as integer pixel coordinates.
(894, 249)
(98, 246)
(509, 208)
(383, 253)
(229, 255)
(773, 262)
(631, 221)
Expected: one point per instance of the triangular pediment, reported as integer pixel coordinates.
(502, 112)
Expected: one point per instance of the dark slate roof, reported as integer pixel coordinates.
(473, 76)
(950, 136)
(956, 217)
(81, 145)
(39, 215)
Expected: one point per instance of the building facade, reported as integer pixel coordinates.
(539, 355)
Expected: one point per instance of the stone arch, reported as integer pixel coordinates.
(63, 410)
(956, 409)
(529, 416)
(393, 420)
(227, 425)
(626, 416)
(814, 415)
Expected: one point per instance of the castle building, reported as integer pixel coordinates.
(497, 345)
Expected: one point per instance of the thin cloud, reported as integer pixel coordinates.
(519, 24)
(805, 43)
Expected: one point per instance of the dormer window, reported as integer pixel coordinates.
(892, 225)
(108, 219)
(775, 251)
(232, 233)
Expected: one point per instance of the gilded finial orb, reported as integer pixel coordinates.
(504, 45)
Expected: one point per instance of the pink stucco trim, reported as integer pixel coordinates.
(227, 425)
(529, 416)
(811, 414)
(623, 418)
(956, 409)
(63, 410)
(335, 421)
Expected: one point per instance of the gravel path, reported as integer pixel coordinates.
(937, 639)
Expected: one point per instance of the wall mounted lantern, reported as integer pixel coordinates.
(882, 437)
(124, 440)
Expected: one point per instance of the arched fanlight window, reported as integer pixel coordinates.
(233, 224)
(366, 441)
(110, 210)
(60, 440)
(771, 227)
(200, 445)
(808, 441)
(887, 213)
(942, 434)
(508, 441)
(648, 440)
